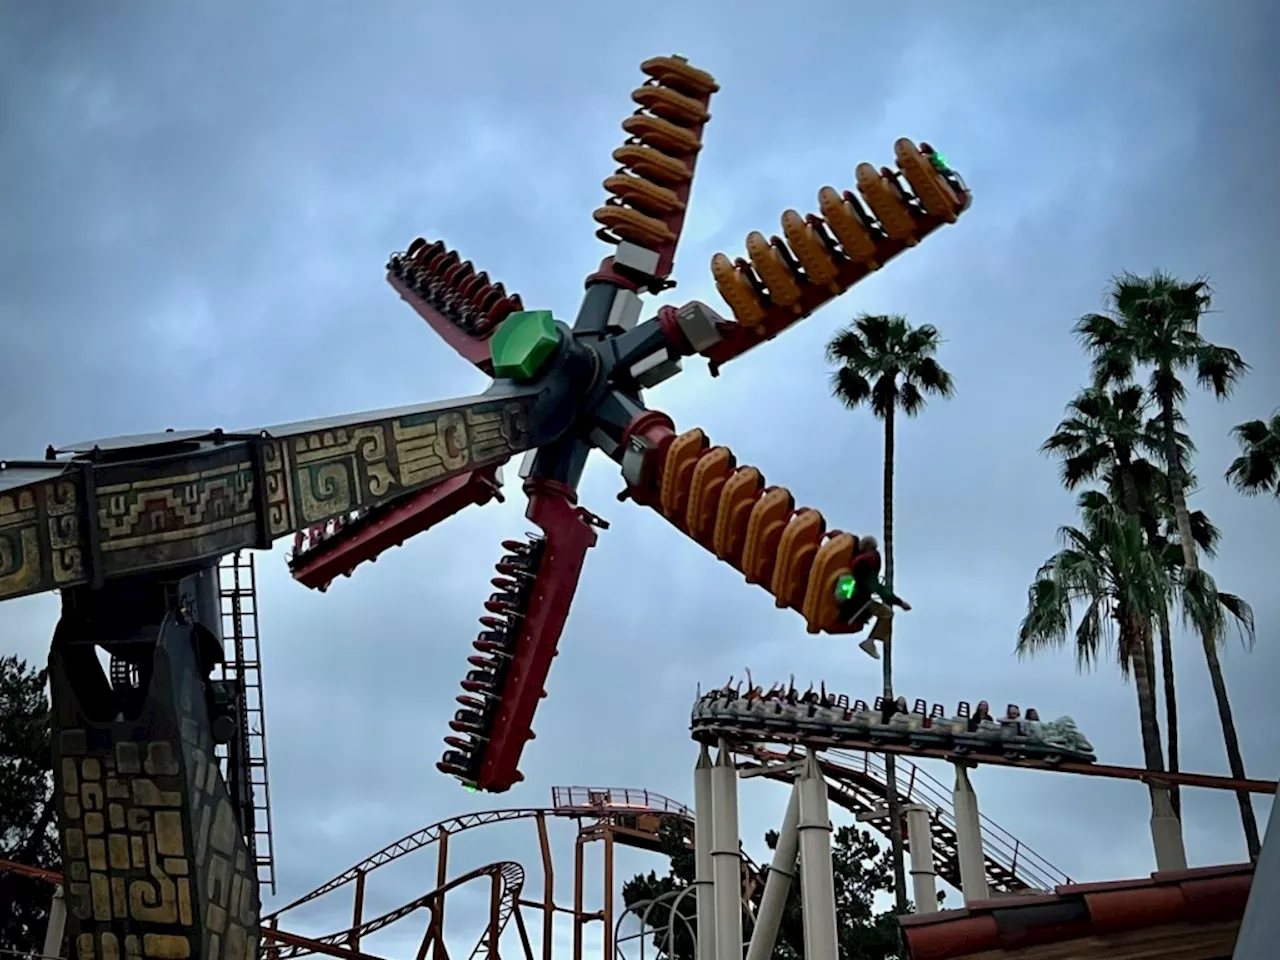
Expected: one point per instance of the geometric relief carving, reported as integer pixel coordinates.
(41, 537)
(313, 476)
(156, 867)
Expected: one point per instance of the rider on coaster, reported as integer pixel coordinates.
(870, 597)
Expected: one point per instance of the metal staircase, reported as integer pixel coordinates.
(857, 783)
(245, 757)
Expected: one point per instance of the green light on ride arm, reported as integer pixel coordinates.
(845, 587)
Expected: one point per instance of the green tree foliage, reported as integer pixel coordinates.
(1257, 469)
(1152, 326)
(27, 825)
(862, 870)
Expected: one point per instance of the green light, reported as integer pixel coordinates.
(845, 587)
(470, 788)
(939, 162)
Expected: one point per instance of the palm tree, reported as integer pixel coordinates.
(884, 363)
(1201, 604)
(1257, 469)
(1105, 565)
(1154, 323)
(1099, 439)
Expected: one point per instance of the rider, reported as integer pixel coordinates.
(870, 597)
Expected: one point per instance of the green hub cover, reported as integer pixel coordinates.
(523, 344)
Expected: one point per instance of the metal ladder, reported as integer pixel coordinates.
(237, 583)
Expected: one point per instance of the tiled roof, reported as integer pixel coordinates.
(1205, 895)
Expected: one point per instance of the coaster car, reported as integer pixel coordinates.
(782, 710)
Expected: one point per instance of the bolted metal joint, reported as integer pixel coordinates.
(698, 323)
(634, 459)
(636, 258)
(655, 368)
(624, 312)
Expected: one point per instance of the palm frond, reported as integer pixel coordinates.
(1257, 469)
(883, 362)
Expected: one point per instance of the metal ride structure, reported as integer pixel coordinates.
(158, 848)
(747, 724)
(607, 816)
(589, 380)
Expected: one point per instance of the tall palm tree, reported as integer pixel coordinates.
(1105, 566)
(1154, 323)
(1198, 600)
(1257, 469)
(1100, 438)
(884, 363)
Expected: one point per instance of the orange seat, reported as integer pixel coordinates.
(734, 512)
(708, 480)
(796, 549)
(769, 517)
(833, 559)
(677, 471)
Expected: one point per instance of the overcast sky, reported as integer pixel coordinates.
(197, 204)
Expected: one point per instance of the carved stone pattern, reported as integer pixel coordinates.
(314, 477)
(127, 857)
(167, 509)
(229, 880)
(41, 538)
(155, 864)
(20, 566)
(280, 517)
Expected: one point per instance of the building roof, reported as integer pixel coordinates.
(1205, 895)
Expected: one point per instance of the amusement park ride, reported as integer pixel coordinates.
(160, 760)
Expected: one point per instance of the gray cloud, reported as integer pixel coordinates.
(198, 203)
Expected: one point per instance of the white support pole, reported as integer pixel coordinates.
(778, 884)
(1166, 832)
(973, 872)
(726, 856)
(57, 925)
(704, 818)
(817, 882)
(924, 887)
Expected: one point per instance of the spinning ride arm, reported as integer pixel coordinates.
(784, 279)
(755, 528)
(535, 584)
(108, 509)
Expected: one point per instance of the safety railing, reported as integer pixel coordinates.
(1000, 847)
(615, 799)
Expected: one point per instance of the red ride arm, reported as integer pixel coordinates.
(570, 533)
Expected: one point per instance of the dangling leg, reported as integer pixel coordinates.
(880, 631)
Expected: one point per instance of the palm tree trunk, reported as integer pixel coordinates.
(1191, 566)
(1235, 759)
(1170, 704)
(1138, 644)
(890, 763)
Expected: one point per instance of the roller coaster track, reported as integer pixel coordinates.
(576, 803)
(858, 785)
(508, 878)
(737, 737)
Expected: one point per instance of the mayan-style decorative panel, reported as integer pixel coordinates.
(330, 471)
(155, 864)
(42, 535)
(180, 510)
